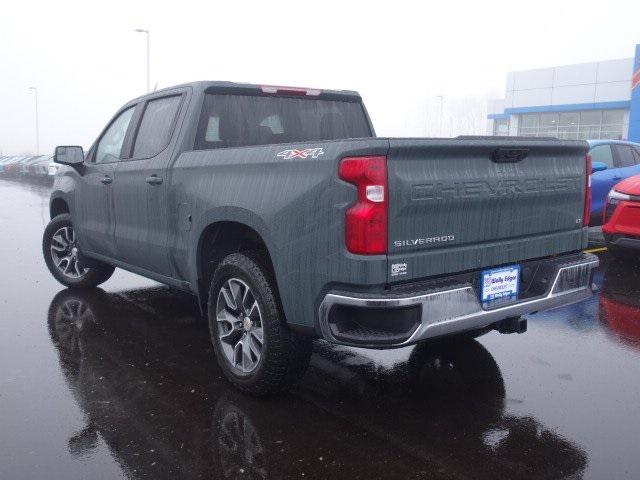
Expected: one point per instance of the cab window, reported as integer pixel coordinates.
(156, 126)
(110, 145)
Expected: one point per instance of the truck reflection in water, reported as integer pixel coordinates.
(620, 302)
(139, 364)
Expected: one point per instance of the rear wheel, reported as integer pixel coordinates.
(62, 255)
(254, 347)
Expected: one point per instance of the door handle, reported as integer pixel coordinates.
(106, 180)
(154, 180)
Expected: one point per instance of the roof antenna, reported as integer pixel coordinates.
(155, 87)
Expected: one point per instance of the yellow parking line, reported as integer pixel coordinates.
(596, 250)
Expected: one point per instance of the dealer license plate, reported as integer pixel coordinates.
(500, 283)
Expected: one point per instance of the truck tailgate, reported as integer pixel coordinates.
(463, 204)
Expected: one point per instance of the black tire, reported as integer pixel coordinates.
(284, 354)
(90, 277)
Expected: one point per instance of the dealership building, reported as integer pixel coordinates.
(582, 101)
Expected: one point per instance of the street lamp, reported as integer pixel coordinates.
(35, 96)
(146, 32)
(441, 112)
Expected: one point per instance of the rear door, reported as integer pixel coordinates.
(94, 196)
(463, 204)
(140, 188)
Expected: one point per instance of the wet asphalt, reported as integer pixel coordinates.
(120, 382)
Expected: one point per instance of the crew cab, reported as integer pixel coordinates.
(289, 219)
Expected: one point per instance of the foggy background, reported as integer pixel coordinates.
(409, 60)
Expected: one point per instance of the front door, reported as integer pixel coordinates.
(140, 190)
(94, 216)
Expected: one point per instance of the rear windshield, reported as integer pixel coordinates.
(241, 120)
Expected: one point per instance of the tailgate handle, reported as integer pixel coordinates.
(509, 155)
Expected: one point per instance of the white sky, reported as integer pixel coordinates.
(86, 61)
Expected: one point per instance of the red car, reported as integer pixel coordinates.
(621, 222)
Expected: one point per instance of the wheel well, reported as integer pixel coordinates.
(221, 239)
(58, 206)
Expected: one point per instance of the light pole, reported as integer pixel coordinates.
(35, 96)
(441, 113)
(146, 32)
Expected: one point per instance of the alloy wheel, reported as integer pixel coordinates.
(240, 327)
(65, 253)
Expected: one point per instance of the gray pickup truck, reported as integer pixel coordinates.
(289, 219)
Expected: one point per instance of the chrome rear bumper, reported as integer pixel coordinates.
(458, 309)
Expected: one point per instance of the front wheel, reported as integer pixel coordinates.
(254, 347)
(62, 256)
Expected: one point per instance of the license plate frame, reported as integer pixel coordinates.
(499, 283)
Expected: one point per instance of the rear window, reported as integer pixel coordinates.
(242, 120)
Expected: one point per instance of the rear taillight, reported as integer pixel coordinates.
(366, 221)
(586, 217)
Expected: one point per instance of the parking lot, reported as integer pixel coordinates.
(121, 382)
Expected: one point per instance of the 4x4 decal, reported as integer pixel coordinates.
(306, 153)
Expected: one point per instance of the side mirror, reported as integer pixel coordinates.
(69, 155)
(598, 167)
